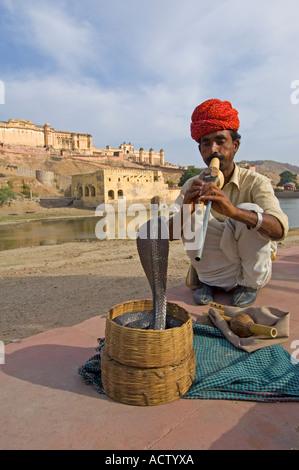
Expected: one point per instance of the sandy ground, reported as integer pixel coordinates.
(46, 287)
(52, 286)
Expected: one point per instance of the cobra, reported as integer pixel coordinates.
(153, 249)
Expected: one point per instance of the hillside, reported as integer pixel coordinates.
(41, 159)
(271, 166)
(19, 160)
(271, 169)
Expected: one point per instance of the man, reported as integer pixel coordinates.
(245, 222)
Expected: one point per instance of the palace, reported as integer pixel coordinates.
(20, 132)
(136, 175)
(109, 185)
(17, 132)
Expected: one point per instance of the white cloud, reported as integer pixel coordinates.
(135, 70)
(112, 114)
(57, 36)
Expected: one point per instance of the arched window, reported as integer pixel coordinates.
(92, 191)
(80, 191)
(120, 193)
(86, 191)
(110, 194)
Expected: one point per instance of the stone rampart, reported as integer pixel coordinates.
(26, 172)
(45, 177)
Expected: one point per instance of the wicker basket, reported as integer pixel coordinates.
(148, 348)
(144, 386)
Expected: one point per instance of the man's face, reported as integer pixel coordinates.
(219, 144)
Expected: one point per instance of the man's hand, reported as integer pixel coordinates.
(201, 191)
(220, 201)
(271, 227)
(192, 195)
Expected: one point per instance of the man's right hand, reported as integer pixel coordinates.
(193, 194)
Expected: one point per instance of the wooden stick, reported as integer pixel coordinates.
(256, 328)
(217, 306)
(244, 323)
(225, 317)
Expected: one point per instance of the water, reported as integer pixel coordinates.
(291, 208)
(47, 232)
(53, 232)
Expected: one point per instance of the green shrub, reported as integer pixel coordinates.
(5, 194)
(26, 190)
(189, 174)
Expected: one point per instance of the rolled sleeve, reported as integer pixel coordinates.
(265, 197)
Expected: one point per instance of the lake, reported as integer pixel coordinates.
(53, 232)
(291, 208)
(57, 231)
(47, 232)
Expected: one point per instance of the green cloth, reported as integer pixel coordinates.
(226, 372)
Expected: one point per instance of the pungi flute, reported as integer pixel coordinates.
(211, 174)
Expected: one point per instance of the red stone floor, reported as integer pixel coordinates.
(46, 405)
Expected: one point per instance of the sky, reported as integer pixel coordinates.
(134, 71)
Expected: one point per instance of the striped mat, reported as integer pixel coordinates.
(226, 372)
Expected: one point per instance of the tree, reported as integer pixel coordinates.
(188, 174)
(5, 194)
(287, 177)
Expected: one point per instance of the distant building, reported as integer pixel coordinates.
(143, 156)
(20, 132)
(289, 187)
(24, 133)
(127, 152)
(109, 185)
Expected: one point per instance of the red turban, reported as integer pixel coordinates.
(213, 115)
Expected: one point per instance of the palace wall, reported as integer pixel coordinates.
(107, 186)
(20, 132)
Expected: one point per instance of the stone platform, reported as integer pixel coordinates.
(46, 405)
